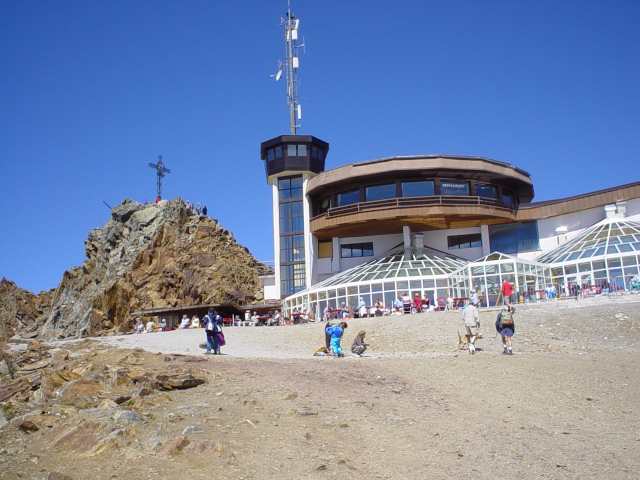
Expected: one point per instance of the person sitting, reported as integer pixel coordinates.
(184, 324)
(150, 327)
(361, 309)
(425, 303)
(195, 322)
(255, 320)
(449, 303)
(379, 307)
(345, 311)
(397, 304)
(275, 319)
(162, 326)
(406, 303)
(327, 313)
(138, 327)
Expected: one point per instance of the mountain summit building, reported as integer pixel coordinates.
(437, 225)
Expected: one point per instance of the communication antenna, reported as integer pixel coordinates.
(161, 170)
(290, 67)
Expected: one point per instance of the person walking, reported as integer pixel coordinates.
(358, 346)
(507, 291)
(212, 327)
(505, 326)
(471, 320)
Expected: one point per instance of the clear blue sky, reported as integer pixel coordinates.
(91, 92)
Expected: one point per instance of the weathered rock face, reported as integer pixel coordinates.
(149, 256)
(20, 309)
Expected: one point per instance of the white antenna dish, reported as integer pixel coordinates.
(278, 75)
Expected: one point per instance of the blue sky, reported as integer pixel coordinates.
(91, 92)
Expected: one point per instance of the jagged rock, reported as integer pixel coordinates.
(80, 392)
(178, 382)
(174, 447)
(34, 345)
(145, 256)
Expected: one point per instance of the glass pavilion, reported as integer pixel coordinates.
(603, 256)
(422, 271)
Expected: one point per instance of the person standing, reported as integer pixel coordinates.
(507, 292)
(471, 320)
(506, 328)
(473, 297)
(212, 326)
(417, 303)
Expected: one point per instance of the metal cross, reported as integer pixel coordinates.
(160, 171)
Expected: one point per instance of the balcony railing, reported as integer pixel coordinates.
(406, 202)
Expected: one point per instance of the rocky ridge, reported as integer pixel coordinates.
(145, 256)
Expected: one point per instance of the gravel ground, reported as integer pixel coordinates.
(564, 406)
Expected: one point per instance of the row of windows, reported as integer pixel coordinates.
(292, 251)
(350, 250)
(296, 151)
(464, 241)
(421, 188)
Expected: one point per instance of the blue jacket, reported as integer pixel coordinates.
(335, 331)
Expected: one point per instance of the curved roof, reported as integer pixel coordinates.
(476, 168)
(611, 236)
(394, 264)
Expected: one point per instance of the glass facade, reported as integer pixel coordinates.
(454, 188)
(418, 189)
(380, 192)
(292, 250)
(605, 257)
(423, 271)
(348, 198)
(514, 237)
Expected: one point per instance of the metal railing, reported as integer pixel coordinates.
(404, 202)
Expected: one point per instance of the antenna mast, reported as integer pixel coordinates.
(290, 67)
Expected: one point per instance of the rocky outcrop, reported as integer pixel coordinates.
(146, 256)
(20, 309)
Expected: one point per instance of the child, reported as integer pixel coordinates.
(358, 346)
(336, 332)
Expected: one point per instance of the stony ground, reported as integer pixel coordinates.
(564, 406)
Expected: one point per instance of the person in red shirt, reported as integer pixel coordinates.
(507, 292)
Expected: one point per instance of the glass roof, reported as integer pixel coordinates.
(611, 236)
(394, 264)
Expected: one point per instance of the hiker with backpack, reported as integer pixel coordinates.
(506, 328)
(213, 328)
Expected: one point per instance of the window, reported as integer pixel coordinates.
(508, 199)
(325, 249)
(292, 248)
(274, 153)
(296, 150)
(317, 153)
(292, 251)
(323, 205)
(290, 188)
(464, 241)
(454, 188)
(486, 191)
(292, 279)
(418, 189)
(356, 250)
(347, 198)
(514, 237)
(380, 192)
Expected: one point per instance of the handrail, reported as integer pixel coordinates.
(433, 200)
